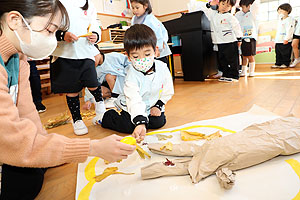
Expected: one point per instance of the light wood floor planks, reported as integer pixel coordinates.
(275, 90)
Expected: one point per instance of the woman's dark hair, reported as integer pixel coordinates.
(86, 5)
(286, 7)
(32, 8)
(144, 3)
(139, 36)
(231, 2)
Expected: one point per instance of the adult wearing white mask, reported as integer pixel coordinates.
(28, 27)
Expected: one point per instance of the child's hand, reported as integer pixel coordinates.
(87, 105)
(110, 148)
(214, 2)
(70, 37)
(139, 133)
(239, 44)
(92, 38)
(155, 112)
(285, 42)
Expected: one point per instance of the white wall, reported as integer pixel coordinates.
(162, 7)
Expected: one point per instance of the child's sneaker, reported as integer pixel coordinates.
(109, 103)
(230, 80)
(275, 66)
(296, 61)
(251, 74)
(98, 119)
(283, 67)
(79, 128)
(100, 107)
(222, 79)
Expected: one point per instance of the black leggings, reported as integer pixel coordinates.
(21, 183)
(122, 122)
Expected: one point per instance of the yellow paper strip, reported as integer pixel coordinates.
(191, 127)
(296, 167)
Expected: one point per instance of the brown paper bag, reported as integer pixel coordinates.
(256, 144)
(181, 150)
(159, 169)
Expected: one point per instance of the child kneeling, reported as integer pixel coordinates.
(148, 87)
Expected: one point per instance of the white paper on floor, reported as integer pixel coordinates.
(275, 179)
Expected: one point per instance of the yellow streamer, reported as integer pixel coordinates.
(296, 167)
(191, 127)
(89, 173)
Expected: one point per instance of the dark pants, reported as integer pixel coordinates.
(122, 123)
(228, 57)
(35, 82)
(21, 183)
(283, 54)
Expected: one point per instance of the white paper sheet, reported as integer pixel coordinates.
(275, 179)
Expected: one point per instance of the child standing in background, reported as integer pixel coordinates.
(148, 87)
(72, 67)
(227, 35)
(295, 43)
(248, 25)
(142, 11)
(111, 72)
(284, 36)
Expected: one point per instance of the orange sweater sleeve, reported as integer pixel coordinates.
(23, 141)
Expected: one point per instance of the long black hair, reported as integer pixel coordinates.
(32, 8)
(144, 3)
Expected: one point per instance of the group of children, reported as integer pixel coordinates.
(139, 83)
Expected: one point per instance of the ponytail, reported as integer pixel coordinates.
(86, 6)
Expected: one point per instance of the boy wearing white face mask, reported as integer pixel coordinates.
(284, 36)
(148, 87)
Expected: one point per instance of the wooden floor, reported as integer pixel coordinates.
(275, 90)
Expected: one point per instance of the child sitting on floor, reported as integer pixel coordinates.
(148, 87)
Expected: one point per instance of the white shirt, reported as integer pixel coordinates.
(285, 30)
(225, 27)
(248, 24)
(141, 92)
(297, 27)
(79, 23)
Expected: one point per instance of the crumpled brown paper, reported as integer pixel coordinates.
(181, 150)
(226, 178)
(254, 145)
(159, 169)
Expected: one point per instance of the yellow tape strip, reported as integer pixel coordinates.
(191, 127)
(296, 167)
(89, 173)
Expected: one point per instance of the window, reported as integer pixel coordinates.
(268, 9)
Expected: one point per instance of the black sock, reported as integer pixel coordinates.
(74, 106)
(97, 94)
(114, 95)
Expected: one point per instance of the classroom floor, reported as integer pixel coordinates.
(275, 90)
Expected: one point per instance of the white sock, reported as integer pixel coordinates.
(252, 68)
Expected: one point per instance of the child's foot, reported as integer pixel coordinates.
(275, 66)
(109, 103)
(79, 128)
(230, 80)
(222, 79)
(283, 67)
(217, 75)
(100, 107)
(251, 74)
(296, 61)
(98, 119)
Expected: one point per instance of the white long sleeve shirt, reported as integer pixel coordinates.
(142, 92)
(79, 23)
(248, 24)
(224, 26)
(285, 30)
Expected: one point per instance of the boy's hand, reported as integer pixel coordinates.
(92, 38)
(70, 37)
(87, 105)
(155, 112)
(214, 2)
(285, 42)
(139, 133)
(239, 44)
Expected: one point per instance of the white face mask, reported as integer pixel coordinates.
(143, 64)
(281, 16)
(40, 47)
